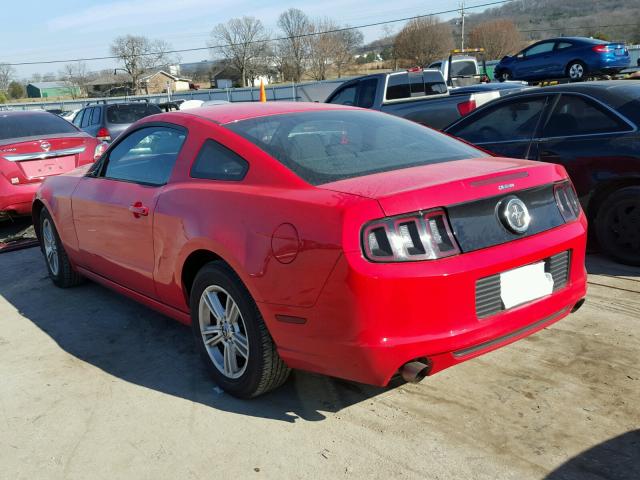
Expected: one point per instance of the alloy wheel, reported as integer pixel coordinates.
(50, 247)
(576, 71)
(625, 225)
(223, 331)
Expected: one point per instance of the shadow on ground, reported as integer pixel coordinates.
(598, 264)
(615, 459)
(133, 343)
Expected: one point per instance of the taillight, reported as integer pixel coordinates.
(600, 48)
(103, 135)
(567, 201)
(466, 107)
(100, 149)
(411, 237)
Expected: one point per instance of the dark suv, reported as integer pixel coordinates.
(106, 122)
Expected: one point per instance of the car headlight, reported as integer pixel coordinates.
(411, 237)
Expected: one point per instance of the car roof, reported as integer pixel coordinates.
(614, 92)
(233, 112)
(25, 112)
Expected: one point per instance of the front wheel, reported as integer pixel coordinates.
(576, 71)
(231, 335)
(58, 265)
(617, 225)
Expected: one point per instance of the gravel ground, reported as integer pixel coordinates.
(94, 386)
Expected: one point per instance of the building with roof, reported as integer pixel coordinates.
(52, 89)
(161, 81)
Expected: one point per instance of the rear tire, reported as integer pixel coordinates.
(576, 71)
(58, 265)
(617, 225)
(231, 335)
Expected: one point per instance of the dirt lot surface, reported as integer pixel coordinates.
(94, 386)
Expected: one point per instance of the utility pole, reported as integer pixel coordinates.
(462, 24)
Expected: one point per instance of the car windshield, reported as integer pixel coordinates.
(130, 113)
(328, 146)
(33, 125)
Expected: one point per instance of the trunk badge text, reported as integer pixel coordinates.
(506, 186)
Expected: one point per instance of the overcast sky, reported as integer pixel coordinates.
(66, 29)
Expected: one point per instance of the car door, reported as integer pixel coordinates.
(506, 128)
(113, 206)
(562, 54)
(534, 61)
(587, 138)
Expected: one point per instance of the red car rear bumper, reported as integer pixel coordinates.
(373, 318)
(16, 199)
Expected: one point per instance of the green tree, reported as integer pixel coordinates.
(16, 90)
(3, 98)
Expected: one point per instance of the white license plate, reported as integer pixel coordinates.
(524, 284)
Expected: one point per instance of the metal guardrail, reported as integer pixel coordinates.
(303, 92)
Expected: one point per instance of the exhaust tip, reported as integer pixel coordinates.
(414, 372)
(577, 306)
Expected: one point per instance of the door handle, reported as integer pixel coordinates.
(139, 210)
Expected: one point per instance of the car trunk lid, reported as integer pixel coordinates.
(30, 160)
(448, 183)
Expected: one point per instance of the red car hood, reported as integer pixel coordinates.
(448, 183)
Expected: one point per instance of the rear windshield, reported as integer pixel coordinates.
(463, 68)
(33, 125)
(415, 84)
(328, 146)
(130, 113)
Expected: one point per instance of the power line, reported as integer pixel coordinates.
(196, 49)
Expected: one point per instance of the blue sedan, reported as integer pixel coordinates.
(572, 57)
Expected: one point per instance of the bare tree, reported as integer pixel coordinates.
(242, 41)
(139, 54)
(497, 37)
(423, 40)
(322, 48)
(294, 50)
(346, 42)
(6, 75)
(75, 76)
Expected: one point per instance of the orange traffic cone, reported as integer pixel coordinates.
(263, 93)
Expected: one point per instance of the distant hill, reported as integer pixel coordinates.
(537, 19)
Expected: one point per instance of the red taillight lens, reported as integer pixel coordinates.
(104, 135)
(466, 107)
(407, 238)
(600, 48)
(567, 201)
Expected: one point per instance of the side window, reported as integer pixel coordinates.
(217, 162)
(563, 45)
(398, 87)
(346, 96)
(367, 92)
(87, 117)
(575, 115)
(78, 118)
(516, 120)
(95, 116)
(540, 48)
(145, 156)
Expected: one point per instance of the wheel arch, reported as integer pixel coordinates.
(576, 60)
(600, 195)
(36, 211)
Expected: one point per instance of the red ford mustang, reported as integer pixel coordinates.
(35, 145)
(325, 238)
